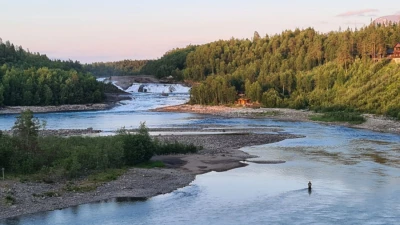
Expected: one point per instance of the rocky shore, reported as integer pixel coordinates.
(59, 108)
(63, 132)
(373, 122)
(220, 152)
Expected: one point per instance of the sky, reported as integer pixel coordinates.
(112, 30)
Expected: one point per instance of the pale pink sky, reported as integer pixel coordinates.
(90, 30)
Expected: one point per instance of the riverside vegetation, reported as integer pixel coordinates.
(52, 158)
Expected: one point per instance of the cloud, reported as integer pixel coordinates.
(358, 13)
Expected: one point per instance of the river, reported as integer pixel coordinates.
(355, 175)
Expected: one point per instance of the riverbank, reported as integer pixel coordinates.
(220, 152)
(59, 108)
(373, 122)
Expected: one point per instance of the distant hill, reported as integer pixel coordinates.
(387, 19)
(32, 79)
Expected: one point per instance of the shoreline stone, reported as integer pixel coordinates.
(60, 108)
(373, 122)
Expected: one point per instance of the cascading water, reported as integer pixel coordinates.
(158, 88)
(153, 95)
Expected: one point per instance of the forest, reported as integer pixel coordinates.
(171, 63)
(33, 79)
(301, 69)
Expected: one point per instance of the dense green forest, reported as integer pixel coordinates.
(171, 63)
(33, 79)
(119, 68)
(301, 69)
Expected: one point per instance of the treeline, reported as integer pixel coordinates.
(119, 68)
(25, 152)
(17, 56)
(171, 63)
(33, 79)
(298, 50)
(46, 86)
(301, 69)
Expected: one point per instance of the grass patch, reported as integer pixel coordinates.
(342, 116)
(9, 200)
(176, 148)
(85, 187)
(151, 164)
(47, 194)
(106, 176)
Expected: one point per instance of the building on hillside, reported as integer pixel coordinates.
(243, 101)
(395, 54)
(391, 54)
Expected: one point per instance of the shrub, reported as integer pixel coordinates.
(139, 147)
(10, 200)
(350, 117)
(175, 148)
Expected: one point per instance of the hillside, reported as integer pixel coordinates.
(345, 70)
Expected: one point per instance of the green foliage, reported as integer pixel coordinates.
(107, 175)
(103, 157)
(6, 151)
(175, 148)
(49, 87)
(214, 91)
(26, 156)
(119, 68)
(9, 200)
(301, 69)
(82, 188)
(33, 79)
(171, 64)
(26, 127)
(139, 147)
(340, 116)
(1, 95)
(47, 194)
(393, 111)
(151, 164)
(271, 99)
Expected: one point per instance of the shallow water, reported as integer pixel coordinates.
(355, 175)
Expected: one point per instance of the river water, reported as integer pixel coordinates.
(355, 175)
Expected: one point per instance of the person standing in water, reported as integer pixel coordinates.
(309, 185)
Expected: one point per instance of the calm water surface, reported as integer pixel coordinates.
(355, 175)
